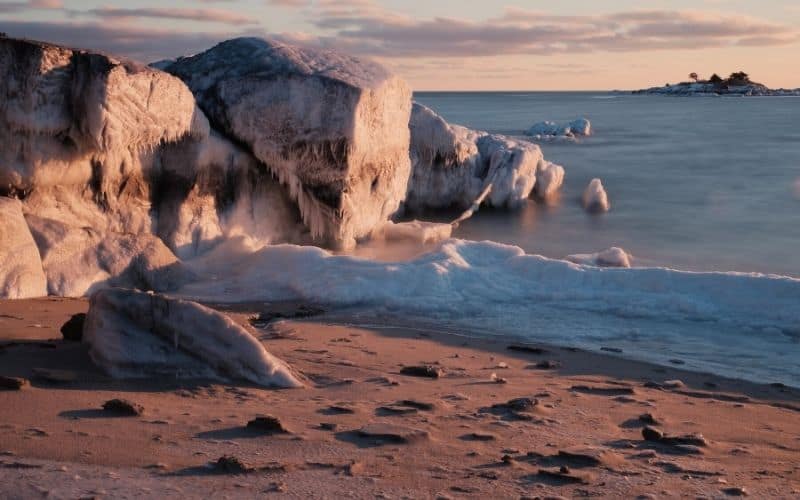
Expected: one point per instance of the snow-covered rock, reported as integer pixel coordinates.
(708, 89)
(549, 179)
(78, 260)
(612, 257)
(333, 128)
(21, 274)
(595, 198)
(580, 127)
(136, 334)
(453, 165)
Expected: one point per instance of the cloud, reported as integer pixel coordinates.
(13, 7)
(207, 15)
(141, 44)
(364, 27)
(289, 3)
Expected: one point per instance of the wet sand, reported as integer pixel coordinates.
(365, 428)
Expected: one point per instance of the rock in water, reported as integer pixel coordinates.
(452, 165)
(132, 333)
(333, 128)
(21, 273)
(613, 257)
(595, 198)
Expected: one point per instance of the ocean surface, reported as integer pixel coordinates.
(700, 184)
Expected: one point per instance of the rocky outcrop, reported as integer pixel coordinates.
(453, 165)
(137, 334)
(332, 128)
(21, 274)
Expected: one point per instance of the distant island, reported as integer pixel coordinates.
(737, 84)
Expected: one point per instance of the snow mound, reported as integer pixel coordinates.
(612, 257)
(495, 286)
(453, 165)
(595, 198)
(21, 274)
(580, 127)
(332, 128)
(136, 334)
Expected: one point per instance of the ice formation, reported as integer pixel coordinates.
(612, 257)
(580, 127)
(595, 198)
(453, 165)
(549, 179)
(21, 274)
(333, 128)
(132, 333)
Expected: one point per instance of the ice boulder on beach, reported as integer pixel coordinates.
(595, 198)
(549, 179)
(21, 273)
(137, 334)
(580, 127)
(332, 128)
(612, 257)
(453, 165)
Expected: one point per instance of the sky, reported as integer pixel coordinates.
(455, 44)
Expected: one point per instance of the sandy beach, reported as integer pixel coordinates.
(532, 421)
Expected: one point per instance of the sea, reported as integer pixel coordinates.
(695, 183)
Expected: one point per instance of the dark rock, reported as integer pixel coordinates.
(527, 349)
(677, 361)
(419, 405)
(604, 390)
(397, 410)
(231, 465)
(517, 404)
(611, 349)
(477, 436)
(548, 364)
(338, 410)
(328, 426)
(427, 371)
(72, 330)
(655, 435)
(735, 492)
(392, 433)
(268, 425)
(649, 419)
(123, 407)
(652, 434)
(12, 383)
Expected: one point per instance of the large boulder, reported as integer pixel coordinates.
(21, 274)
(136, 334)
(333, 128)
(453, 165)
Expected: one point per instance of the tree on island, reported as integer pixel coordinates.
(694, 76)
(715, 79)
(739, 77)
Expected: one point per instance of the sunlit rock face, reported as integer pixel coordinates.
(21, 274)
(118, 171)
(332, 128)
(452, 165)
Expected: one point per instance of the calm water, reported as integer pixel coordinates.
(694, 183)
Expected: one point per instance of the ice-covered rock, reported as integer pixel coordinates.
(21, 274)
(612, 257)
(453, 165)
(549, 179)
(79, 260)
(136, 334)
(580, 127)
(595, 198)
(416, 231)
(333, 128)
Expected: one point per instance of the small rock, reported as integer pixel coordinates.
(735, 492)
(517, 404)
(72, 330)
(497, 380)
(231, 465)
(397, 410)
(393, 433)
(477, 436)
(564, 474)
(268, 425)
(419, 405)
(328, 426)
(355, 468)
(604, 390)
(649, 419)
(502, 365)
(123, 407)
(339, 410)
(655, 435)
(548, 364)
(426, 371)
(12, 383)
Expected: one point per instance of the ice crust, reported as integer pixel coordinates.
(21, 273)
(580, 127)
